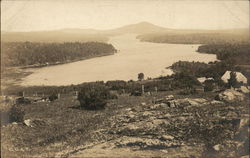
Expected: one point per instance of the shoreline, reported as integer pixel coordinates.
(12, 76)
(60, 63)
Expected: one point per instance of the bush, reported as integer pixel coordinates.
(53, 97)
(141, 76)
(116, 85)
(23, 100)
(188, 91)
(16, 114)
(209, 85)
(136, 93)
(93, 96)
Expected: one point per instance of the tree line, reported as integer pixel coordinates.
(29, 53)
(236, 53)
(193, 38)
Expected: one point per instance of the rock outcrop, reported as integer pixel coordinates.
(230, 95)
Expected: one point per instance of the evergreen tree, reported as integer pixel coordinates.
(232, 81)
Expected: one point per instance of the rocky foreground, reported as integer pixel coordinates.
(165, 126)
(189, 127)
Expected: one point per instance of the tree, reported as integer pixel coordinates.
(232, 81)
(140, 76)
(16, 114)
(209, 85)
(93, 96)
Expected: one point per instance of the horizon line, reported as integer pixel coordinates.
(96, 29)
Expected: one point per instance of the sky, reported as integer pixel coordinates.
(34, 15)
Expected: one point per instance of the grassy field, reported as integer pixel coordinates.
(63, 125)
(63, 128)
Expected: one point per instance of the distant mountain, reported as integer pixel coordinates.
(148, 28)
(83, 35)
(140, 28)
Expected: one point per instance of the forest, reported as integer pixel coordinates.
(199, 69)
(235, 53)
(29, 53)
(193, 38)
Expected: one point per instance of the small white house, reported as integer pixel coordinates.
(239, 77)
(203, 79)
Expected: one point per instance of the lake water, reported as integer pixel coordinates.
(132, 58)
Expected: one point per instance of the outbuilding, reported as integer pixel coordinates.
(239, 77)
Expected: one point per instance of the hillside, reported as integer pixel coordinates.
(65, 35)
(139, 28)
(147, 31)
(197, 37)
(42, 54)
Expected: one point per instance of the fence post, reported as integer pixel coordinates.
(142, 89)
(58, 95)
(156, 89)
(154, 100)
(76, 94)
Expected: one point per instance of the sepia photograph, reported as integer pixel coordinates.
(125, 78)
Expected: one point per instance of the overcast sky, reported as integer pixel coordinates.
(31, 15)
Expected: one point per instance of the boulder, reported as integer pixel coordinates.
(147, 113)
(171, 103)
(230, 95)
(244, 89)
(28, 123)
(213, 102)
(34, 123)
(187, 102)
(167, 137)
(217, 147)
(169, 97)
(155, 106)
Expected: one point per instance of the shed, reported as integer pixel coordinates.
(203, 79)
(239, 77)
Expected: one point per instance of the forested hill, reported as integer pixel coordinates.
(40, 54)
(58, 36)
(197, 38)
(234, 53)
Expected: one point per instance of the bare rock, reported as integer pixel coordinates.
(146, 143)
(230, 95)
(213, 102)
(169, 97)
(155, 106)
(34, 123)
(167, 137)
(244, 89)
(217, 147)
(28, 123)
(147, 113)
